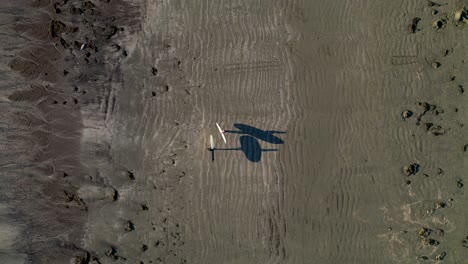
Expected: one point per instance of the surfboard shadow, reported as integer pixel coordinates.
(265, 135)
(250, 147)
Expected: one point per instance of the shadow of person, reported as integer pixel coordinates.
(266, 136)
(250, 147)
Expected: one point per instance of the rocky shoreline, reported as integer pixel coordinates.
(65, 58)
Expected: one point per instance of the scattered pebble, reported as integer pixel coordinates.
(440, 205)
(414, 24)
(428, 126)
(465, 242)
(460, 15)
(111, 251)
(434, 12)
(424, 232)
(440, 256)
(115, 195)
(435, 64)
(430, 242)
(439, 23)
(412, 169)
(460, 183)
(129, 226)
(144, 247)
(430, 3)
(440, 232)
(406, 114)
(130, 175)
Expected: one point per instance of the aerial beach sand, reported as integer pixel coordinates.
(105, 155)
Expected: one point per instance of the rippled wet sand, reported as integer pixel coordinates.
(344, 125)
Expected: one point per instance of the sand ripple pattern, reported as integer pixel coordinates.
(328, 76)
(347, 143)
(235, 69)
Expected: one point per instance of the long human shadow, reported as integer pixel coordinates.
(265, 135)
(251, 148)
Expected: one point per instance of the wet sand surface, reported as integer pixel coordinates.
(344, 123)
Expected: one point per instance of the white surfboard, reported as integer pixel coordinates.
(221, 132)
(211, 142)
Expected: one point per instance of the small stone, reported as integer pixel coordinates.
(428, 126)
(130, 175)
(408, 182)
(424, 232)
(430, 242)
(460, 14)
(441, 256)
(115, 195)
(413, 26)
(430, 211)
(438, 24)
(440, 205)
(440, 232)
(406, 114)
(435, 64)
(412, 169)
(144, 247)
(111, 251)
(430, 3)
(390, 229)
(464, 242)
(434, 12)
(460, 183)
(129, 226)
